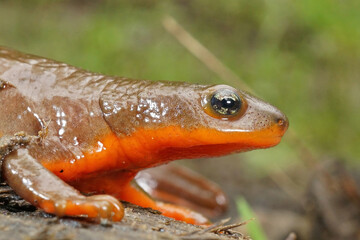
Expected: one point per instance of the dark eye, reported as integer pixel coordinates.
(226, 102)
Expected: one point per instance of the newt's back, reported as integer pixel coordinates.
(39, 93)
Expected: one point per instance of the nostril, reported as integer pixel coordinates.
(282, 122)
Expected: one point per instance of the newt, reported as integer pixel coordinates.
(94, 133)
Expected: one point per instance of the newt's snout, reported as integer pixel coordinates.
(282, 122)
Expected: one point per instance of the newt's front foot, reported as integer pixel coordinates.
(43, 189)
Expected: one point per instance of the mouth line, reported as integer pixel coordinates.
(218, 149)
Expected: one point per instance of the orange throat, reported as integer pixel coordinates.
(150, 147)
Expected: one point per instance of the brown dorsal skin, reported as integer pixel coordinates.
(101, 127)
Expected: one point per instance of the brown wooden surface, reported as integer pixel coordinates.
(20, 220)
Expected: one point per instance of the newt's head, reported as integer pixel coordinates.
(238, 121)
(226, 120)
(172, 120)
(237, 117)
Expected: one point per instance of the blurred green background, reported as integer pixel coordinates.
(301, 56)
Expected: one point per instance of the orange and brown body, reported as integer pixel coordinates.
(99, 131)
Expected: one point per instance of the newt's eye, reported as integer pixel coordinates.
(226, 102)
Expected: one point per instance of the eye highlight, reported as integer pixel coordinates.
(225, 103)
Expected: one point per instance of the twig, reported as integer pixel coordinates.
(210, 228)
(202, 53)
(217, 228)
(231, 226)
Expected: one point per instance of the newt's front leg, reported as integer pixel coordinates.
(119, 185)
(43, 189)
